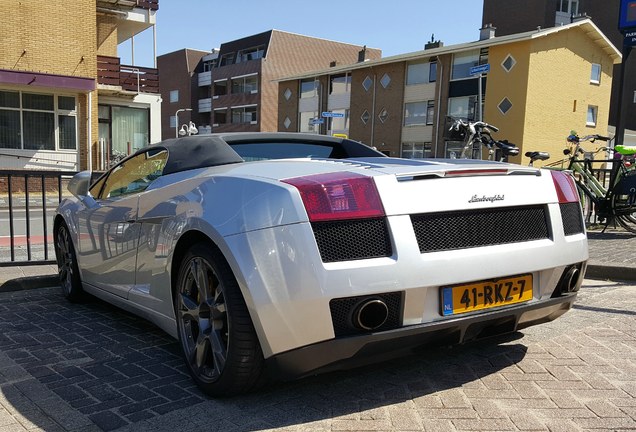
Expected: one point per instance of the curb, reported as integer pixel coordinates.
(29, 282)
(608, 272)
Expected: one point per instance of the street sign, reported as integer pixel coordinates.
(630, 39)
(480, 69)
(316, 121)
(332, 114)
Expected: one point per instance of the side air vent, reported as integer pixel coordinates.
(572, 218)
(356, 239)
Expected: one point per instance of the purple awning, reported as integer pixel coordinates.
(38, 79)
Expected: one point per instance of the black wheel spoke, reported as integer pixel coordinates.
(190, 310)
(199, 274)
(219, 350)
(202, 351)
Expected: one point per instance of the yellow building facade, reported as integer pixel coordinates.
(556, 82)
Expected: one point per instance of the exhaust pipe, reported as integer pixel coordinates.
(572, 278)
(370, 314)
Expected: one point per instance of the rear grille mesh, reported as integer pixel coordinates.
(342, 313)
(356, 239)
(572, 218)
(483, 227)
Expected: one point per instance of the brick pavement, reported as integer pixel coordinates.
(92, 367)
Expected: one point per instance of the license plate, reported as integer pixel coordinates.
(486, 294)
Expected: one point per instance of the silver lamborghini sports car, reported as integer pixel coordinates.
(283, 255)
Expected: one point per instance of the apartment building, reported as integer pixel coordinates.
(541, 84)
(66, 101)
(238, 89)
(513, 16)
(180, 90)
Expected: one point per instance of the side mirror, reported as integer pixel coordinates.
(79, 184)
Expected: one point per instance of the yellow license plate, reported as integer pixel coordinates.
(486, 294)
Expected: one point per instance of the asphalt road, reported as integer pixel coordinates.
(92, 367)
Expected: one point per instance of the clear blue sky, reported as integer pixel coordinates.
(395, 26)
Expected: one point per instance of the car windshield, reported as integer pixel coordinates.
(283, 150)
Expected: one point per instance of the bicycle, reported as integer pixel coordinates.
(615, 202)
(479, 134)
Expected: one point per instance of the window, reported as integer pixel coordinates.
(462, 63)
(421, 73)
(173, 121)
(174, 96)
(247, 84)
(367, 83)
(130, 129)
(308, 88)
(504, 106)
(340, 84)
(592, 112)
(308, 121)
(417, 150)
(209, 64)
(570, 7)
(508, 63)
(340, 123)
(220, 116)
(227, 59)
(385, 80)
(220, 88)
(135, 175)
(244, 115)
(37, 121)
(419, 113)
(250, 54)
(463, 107)
(595, 76)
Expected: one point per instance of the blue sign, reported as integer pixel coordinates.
(480, 69)
(316, 121)
(627, 20)
(332, 114)
(630, 39)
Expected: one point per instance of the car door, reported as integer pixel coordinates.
(108, 230)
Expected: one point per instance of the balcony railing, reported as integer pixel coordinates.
(129, 4)
(148, 4)
(131, 78)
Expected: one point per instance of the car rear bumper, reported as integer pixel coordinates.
(352, 351)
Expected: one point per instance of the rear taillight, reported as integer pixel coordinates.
(337, 196)
(565, 187)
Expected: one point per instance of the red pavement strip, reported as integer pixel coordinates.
(21, 240)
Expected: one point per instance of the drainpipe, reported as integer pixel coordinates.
(440, 74)
(373, 113)
(89, 131)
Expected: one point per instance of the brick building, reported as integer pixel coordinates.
(66, 102)
(238, 91)
(514, 16)
(541, 84)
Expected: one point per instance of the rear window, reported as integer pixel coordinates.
(282, 150)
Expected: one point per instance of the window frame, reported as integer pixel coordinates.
(244, 109)
(103, 183)
(56, 113)
(595, 76)
(591, 109)
(426, 148)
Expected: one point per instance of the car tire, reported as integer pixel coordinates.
(67, 267)
(217, 336)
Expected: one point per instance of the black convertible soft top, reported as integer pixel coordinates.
(200, 151)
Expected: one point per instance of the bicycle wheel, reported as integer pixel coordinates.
(625, 210)
(586, 205)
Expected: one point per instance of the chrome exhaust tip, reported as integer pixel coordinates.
(370, 314)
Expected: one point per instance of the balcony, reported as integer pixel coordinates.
(130, 78)
(205, 78)
(205, 105)
(129, 4)
(133, 16)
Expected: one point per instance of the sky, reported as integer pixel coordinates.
(394, 26)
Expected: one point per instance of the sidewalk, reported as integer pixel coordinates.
(611, 257)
